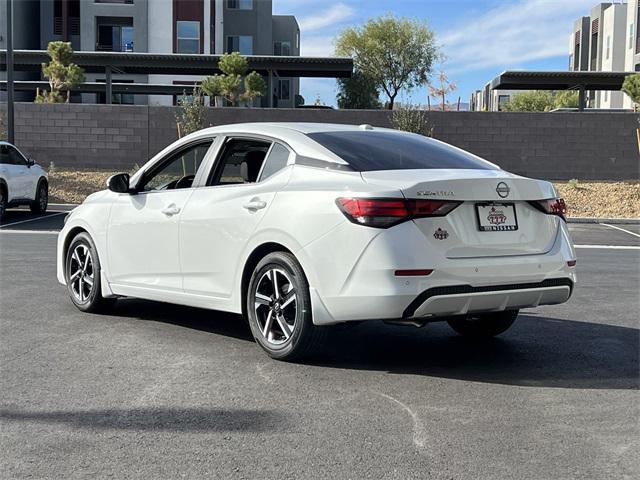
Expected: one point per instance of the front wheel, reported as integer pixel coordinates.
(279, 309)
(39, 205)
(483, 325)
(82, 269)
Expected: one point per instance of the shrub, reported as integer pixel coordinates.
(191, 114)
(411, 119)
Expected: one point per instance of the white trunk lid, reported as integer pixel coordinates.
(458, 235)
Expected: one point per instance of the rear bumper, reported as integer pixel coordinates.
(463, 299)
(358, 281)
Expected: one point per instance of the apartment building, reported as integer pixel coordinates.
(606, 41)
(160, 26)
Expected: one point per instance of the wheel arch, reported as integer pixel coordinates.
(253, 259)
(71, 234)
(5, 188)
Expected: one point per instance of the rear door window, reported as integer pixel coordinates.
(276, 160)
(367, 151)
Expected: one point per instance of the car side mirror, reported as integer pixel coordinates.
(30, 162)
(119, 183)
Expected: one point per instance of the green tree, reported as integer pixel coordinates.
(631, 87)
(395, 53)
(533, 101)
(358, 91)
(191, 115)
(566, 99)
(61, 72)
(234, 66)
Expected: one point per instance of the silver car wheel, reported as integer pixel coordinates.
(275, 304)
(81, 273)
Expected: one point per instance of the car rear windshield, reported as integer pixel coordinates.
(368, 151)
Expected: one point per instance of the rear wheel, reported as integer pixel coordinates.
(83, 275)
(39, 205)
(483, 325)
(279, 309)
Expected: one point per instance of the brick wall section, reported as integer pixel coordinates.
(554, 146)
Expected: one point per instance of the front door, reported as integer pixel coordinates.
(143, 248)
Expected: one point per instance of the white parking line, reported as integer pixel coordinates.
(621, 229)
(30, 232)
(32, 219)
(612, 247)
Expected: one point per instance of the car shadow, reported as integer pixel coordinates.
(221, 323)
(156, 419)
(537, 350)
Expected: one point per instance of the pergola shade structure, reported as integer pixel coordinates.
(581, 81)
(173, 64)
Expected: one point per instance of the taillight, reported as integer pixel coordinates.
(386, 212)
(552, 206)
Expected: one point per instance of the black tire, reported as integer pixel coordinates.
(483, 325)
(39, 205)
(304, 337)
(87, 299)
(3, 201)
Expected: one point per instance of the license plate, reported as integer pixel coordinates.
(496, 217)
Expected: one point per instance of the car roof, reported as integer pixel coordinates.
(292, 134)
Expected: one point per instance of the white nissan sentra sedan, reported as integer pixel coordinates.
(300, 226)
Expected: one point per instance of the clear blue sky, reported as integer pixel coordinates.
(480, 38)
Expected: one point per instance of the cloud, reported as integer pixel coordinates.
(523, 31)
(335, 14)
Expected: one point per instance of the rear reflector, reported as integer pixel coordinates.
(552, 206)
(572, 263)
(413, 273)
(386, 212)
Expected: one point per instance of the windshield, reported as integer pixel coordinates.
(368, 151)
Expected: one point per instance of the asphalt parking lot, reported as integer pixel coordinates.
(162, 391)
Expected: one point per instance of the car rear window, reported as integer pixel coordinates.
(368, 151)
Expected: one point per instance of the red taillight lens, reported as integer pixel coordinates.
(552, 206)
(386, 212)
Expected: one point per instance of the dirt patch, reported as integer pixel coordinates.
(601, 199)
(588, 199)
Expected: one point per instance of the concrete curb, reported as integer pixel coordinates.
(612, 221)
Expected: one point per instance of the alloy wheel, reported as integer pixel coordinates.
(43, 197)
(81, 273)
(275, 306)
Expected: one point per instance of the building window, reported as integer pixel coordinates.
(283, 89)
(297, 38)
(240, 4)
(630, 36)
(242, 44)
(187, 36)
(282, 48)
(606, 96)
(115, 34)
(608, 46)
(502, 99)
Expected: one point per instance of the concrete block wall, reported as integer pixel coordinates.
(553, 146)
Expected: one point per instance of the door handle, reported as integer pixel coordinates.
(254, 205)
(171, 210)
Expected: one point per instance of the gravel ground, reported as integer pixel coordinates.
(588, 199)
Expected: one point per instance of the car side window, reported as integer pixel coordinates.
(178, 171)
(11, 156)
(276, 160)
(240, 162)
(5, 158)
(16, 157)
